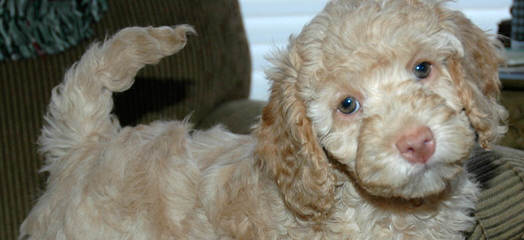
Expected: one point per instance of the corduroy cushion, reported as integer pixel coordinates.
(500, 209)
(214, 68)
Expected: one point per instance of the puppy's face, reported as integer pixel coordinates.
(396, 91)
(367, 108)
(383, 99)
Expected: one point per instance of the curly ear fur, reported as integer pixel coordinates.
(287, 145)
(476, 77)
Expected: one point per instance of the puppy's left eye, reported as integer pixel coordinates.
(349, 105)
(422, 70)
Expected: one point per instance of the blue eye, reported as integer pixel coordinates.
(349, 105)
(422, 70)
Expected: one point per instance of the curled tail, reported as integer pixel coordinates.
(81, 105)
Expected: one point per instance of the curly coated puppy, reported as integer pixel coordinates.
(374, 108)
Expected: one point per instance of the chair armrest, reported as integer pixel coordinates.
(237, 116)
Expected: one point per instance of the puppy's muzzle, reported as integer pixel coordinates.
(416, 144)
(406, 141)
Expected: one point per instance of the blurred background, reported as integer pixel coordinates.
(270, 22)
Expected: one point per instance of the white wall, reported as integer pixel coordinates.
(270, 22)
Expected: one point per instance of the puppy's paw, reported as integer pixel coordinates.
(171, 39)
(132, 48)
(150, 44)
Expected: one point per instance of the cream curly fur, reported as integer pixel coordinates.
(308, 171)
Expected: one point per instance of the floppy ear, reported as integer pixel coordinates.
(287, 144)
(476, 77)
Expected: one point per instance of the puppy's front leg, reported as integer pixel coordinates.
(81, 105)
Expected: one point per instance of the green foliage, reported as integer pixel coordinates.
(30, 28)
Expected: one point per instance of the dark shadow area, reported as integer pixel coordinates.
(148, 95)
(482, 166)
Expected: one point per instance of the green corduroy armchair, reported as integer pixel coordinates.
(210, 80)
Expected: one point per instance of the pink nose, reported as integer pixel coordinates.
(416, 145)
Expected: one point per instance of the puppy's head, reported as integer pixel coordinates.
(396, 91)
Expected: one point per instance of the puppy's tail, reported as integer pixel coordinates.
(80, 108)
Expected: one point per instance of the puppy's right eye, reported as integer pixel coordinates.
(349, 105)
(422, 70)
